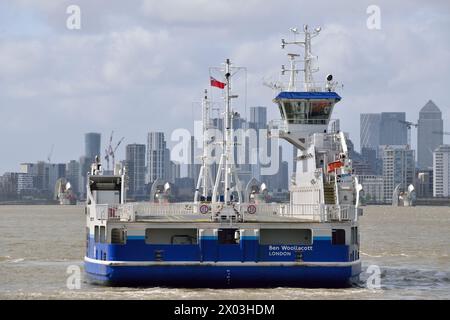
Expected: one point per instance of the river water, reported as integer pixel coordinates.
(410, 246)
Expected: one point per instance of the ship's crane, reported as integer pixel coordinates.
(409, 125)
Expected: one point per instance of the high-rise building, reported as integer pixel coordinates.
(171, 169)
(441, 171)
(156, 156)
(135, 161)
(392, 129)
(9, 185)
(258, 122)
(258, 117)
(174, 171)
(424, 183)
(92, 144)
(369, 156)
(369, 131)
(45, 175)
(193, 167)
(25, 184)
(55, 171)
(373, 188)
(398, 168)
(429, 134)
(280, 179)
(73, 174)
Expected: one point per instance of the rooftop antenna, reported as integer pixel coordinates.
(308, 57)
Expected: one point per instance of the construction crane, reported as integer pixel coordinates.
(113, 152)
(110, 152)
(49, 156)
(442, 132)
(409, 125)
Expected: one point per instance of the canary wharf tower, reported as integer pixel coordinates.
(429, 134)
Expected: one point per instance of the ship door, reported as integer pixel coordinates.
(228, 245)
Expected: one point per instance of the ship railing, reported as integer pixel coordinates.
(107, 212)
(249, 210)
(312, 212)
(339, 212)
(315, 86)
(142, 211)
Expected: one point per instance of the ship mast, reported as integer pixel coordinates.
(308, 58)
(227, 167)
(204, 181)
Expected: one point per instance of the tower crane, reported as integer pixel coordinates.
(49, 156)
(113, 152)
(409, 125)
(445, 133)
(110, 151)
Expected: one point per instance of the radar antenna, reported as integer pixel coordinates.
(308, 58)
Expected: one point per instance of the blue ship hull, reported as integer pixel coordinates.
(223, 276)
(220, 266)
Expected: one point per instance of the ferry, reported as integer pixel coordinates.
(228, 238)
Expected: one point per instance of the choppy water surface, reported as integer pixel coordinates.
(411, 246)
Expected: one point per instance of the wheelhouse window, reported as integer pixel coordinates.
(320, 111)
(307, 112)
(280, 107)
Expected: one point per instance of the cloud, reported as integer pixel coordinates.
(138, 66)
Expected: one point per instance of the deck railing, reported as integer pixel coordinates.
(245, 212)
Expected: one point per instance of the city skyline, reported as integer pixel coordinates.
(57, 84)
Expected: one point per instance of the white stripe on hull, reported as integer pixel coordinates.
(221, 263)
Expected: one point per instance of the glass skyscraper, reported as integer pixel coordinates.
(429, 134)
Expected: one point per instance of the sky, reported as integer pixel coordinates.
(140, 66)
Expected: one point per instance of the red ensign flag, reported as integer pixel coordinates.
(334, 165)
(216, 83)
